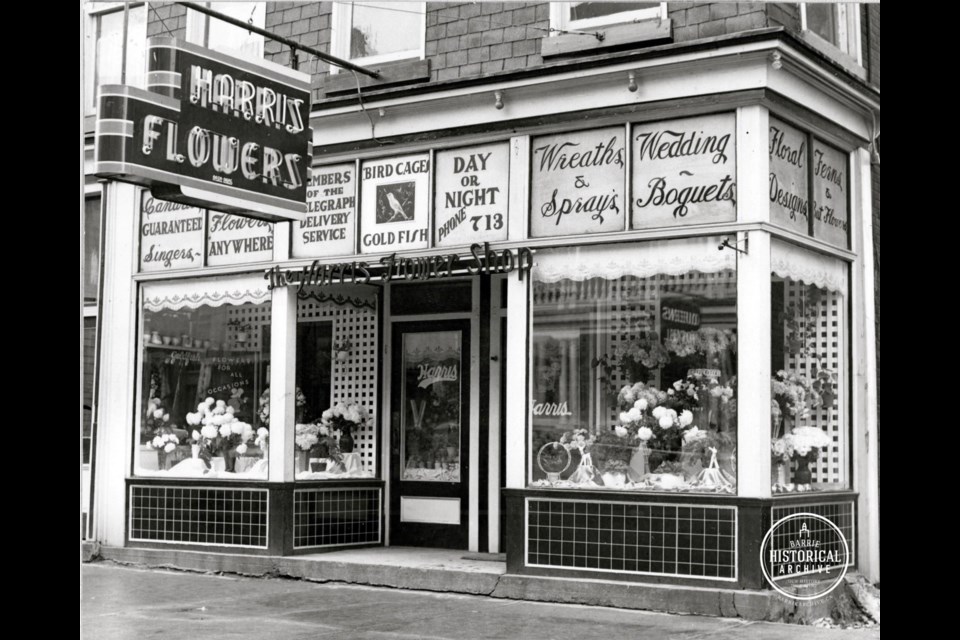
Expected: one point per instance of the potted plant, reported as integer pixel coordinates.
(341, 349)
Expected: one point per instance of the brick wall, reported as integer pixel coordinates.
(781, 14)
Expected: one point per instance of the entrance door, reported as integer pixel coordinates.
(430, 434)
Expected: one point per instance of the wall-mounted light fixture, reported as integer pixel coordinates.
(631, 81)
(498, 99)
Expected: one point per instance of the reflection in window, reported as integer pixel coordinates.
(91, 250)
(205, 368)
(634, 368)
(586, 10)
(104, 49)
(379, 31)
(836, 23)
(227, 38)
(808, 422)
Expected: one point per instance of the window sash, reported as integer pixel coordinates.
(342, 20)
(560, 17)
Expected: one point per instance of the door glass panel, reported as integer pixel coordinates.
(431, 421)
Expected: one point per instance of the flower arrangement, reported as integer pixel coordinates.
(156, 422)
(221, 431)
(802, 442)
(263, 414)
(793, 397)
(577, 439)
(345, 417)
(166, 442)
(635, 357)
(317, 439)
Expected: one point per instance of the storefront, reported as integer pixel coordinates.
(612, 334)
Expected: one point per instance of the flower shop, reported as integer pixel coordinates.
(616, 348)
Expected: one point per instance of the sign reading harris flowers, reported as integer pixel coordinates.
(831, 218)
(789, 187)
(329, 228)
(171, 235)
(684, 171)
(235, 240)
(394, 197)
(471, 195)
(577, 183)
(212, 131)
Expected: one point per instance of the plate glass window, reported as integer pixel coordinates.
(580, 15)
(104, 48)
(372, 32)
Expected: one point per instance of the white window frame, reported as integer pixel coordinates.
(341, 19)
(560, 17)
(198, 30)
(93, 12)
(848, 29)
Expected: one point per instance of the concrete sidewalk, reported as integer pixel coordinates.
(120, 603)
(449, 571)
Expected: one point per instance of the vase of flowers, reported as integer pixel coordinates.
(802, 446)
(345, 418)
(341, 350)
(221, 433)
(299, 407)
(315, 440)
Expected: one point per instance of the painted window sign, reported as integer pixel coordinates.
(789, 206)
(577, 183)
(236, 239)
(831, 217)
(684, 172)
(171, 235)
(431, 406)
(394, 198)
(471, 195)
(329, 227)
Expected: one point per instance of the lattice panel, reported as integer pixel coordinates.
(255, 315)
(831, 467)
(355, 379)
(628, 297)
(696, 541)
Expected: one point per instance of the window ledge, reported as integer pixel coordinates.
(845, 60)
(621, 35)
(391, 73)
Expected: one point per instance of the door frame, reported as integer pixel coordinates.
(387, 415)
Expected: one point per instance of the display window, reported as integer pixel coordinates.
(634, 367)
(205, 368)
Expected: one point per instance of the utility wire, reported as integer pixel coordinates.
(373, 126)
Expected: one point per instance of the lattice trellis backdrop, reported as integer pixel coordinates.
(830, 467)
(354, 380)
(629, 298)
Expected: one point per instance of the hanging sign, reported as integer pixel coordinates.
(394, 196)
(329, 227)
(213, 131)
(471, 195)
(236, 240)
(684, 172)
(577, 183)
(171, 235)
(831, 218)
(789, 206)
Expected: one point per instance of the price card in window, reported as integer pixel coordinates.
(471, 195)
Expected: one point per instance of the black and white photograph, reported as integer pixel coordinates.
(463, 320)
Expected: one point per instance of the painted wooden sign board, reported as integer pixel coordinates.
(684, 172)
(831, 216)
(237, 239)
(329, 228)
(171, 235)
(471, 195)
(789, 186)
(394, 199)
(577, 183)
